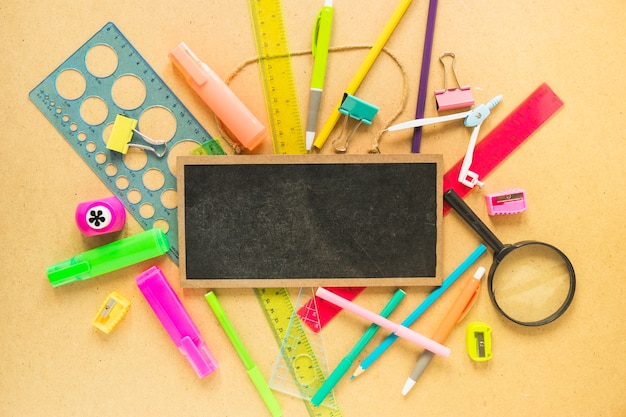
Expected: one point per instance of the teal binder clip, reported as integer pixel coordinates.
(353, 108)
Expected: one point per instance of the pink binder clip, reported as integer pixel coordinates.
(452, 98)
(506, 202)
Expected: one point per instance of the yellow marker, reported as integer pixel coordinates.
(363, 70)
(111, 312)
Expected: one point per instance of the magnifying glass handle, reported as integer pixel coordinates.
(472, 219)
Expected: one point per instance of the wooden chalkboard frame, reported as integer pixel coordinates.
(207, 222)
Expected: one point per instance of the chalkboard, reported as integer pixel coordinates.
(310, 220)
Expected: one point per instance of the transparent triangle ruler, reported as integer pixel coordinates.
(301, 367)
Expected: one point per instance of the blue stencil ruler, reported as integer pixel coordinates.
(79, 100)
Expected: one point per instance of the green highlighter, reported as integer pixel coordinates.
(253, 372)
(347, 361)
(110, 257)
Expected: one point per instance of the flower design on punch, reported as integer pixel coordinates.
(96, 217)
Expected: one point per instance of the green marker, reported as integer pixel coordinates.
(346, 362)
(107, 258)
(253, 372)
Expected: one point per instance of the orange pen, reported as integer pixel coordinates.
(457, 312)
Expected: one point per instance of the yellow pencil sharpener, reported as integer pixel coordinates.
(111, 312)
(478, 341)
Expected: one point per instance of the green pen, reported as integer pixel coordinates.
(110, 257)
(346, 362)
(253, 372)
(321, 42)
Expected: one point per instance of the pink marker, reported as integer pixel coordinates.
(183, 331)
(397, 329)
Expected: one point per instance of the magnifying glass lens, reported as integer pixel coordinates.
(531, 283)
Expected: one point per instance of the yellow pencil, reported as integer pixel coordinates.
(363, 70)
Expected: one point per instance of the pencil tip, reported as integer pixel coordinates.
(357, 372)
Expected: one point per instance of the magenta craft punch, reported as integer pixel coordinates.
(176, 321)
(506, 202)
(452, 98)
(98, 217)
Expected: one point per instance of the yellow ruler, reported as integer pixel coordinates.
(279, 85)
(303, 361)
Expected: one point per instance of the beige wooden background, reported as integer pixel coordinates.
(55, 363)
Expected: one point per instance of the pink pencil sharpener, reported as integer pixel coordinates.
(506, 202)
(101, 216)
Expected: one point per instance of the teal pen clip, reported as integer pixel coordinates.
(253, 372)
(110, 257)
(346, 362)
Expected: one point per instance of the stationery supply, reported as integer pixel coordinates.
(253, 371)
(424, 305)
(347, 361)
(531, 283)
(112, 310)
(427, 52)
(122, 134)
(472, 118)
(97, 217)
(397, 329)
(507, 136)
(277, 77)
(238, 119)
(353, 108)
(321, 42)
(455, 97)
(506, 202)
(82, 98)
(457, 312)
(478, 341)
(363, 70)
(179, 326)
(110, 257)
(301, 368)
(494, 148)
(292, 222)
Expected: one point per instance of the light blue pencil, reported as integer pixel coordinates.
(428, 301)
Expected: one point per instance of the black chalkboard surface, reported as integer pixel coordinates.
(310, 220)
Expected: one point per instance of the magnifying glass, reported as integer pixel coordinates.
(531, 283)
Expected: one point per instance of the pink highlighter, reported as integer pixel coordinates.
(172, 314)
(238, 119)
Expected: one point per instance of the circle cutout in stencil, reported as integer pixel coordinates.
(70, 84)
(161, 224)
(182, 148)
(135, 159)
(134, 196)
(158, 123)
(169, 199)
(94, 110)
(153, 179)
(146, 210)
(101, 60)
(128, 92)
